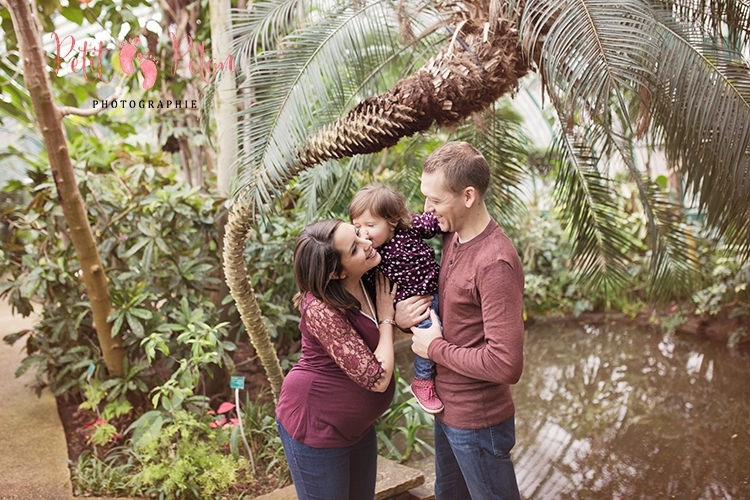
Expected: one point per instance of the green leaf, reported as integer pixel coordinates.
(135, 326)
(27, 363)
(117, 325)
(141, 313)
(73, 13)
(135, 248)
(147, 428)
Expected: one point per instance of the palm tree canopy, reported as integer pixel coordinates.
(325, 80)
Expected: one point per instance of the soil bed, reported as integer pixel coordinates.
(77, 423)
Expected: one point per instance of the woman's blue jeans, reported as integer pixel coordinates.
(475, 463)
(332, 473)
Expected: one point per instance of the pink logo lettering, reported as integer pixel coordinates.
(147, 65)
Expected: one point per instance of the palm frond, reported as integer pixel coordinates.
(325, 189)
(590, 48)
(588, 206)
(717, 18)
(307, 82)
(597, 57)
(674, 268)
(261, 27)
(673, 262)
(701, 113)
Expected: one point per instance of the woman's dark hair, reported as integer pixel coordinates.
(315, 261)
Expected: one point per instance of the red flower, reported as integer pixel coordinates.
(218, 423)
(225, 407)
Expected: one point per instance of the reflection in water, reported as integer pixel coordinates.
(621, 413)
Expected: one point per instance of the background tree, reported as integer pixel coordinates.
(672, 71)
(49, 79)
(49, 117)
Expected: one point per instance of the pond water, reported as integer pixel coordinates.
(620, 412)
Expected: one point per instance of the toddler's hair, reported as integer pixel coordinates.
(382, 201)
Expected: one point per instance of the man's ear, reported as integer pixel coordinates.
(470, 196)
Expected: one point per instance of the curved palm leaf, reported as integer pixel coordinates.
(259, 28)
(589, 71)
(597, 58)
(588, 204)
(701, 112)
(673, 266)
(591, 49)
(324, 187)
(306, 83)
(727, 18)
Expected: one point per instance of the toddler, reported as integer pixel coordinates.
(382, 216)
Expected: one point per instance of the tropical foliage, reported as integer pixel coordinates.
(156, 236)
(159, 241)
(613, 73)
(322, 81)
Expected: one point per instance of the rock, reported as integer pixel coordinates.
(395, 479)
(393, 483)
(425, 491)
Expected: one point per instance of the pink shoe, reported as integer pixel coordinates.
(424, 391)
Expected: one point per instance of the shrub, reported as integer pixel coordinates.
(158, 243)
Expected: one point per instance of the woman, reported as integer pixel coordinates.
(344, 380)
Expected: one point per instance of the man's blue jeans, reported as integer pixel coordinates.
(475, 463)
(425, 368)
(332, 473)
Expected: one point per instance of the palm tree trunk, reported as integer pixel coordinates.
(237, 229)
(49, 119)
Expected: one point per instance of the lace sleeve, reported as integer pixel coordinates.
(343, 343)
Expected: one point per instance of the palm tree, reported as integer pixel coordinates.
(671, 71)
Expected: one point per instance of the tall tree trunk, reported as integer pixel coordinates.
(226, 134)
(49, 119)
(226, 92)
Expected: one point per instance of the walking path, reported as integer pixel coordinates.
(33, 452)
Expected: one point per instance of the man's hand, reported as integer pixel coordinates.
(412, 311)
(423, 337)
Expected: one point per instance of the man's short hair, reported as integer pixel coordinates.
(462, 165)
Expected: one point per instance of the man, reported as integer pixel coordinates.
(479, 354)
